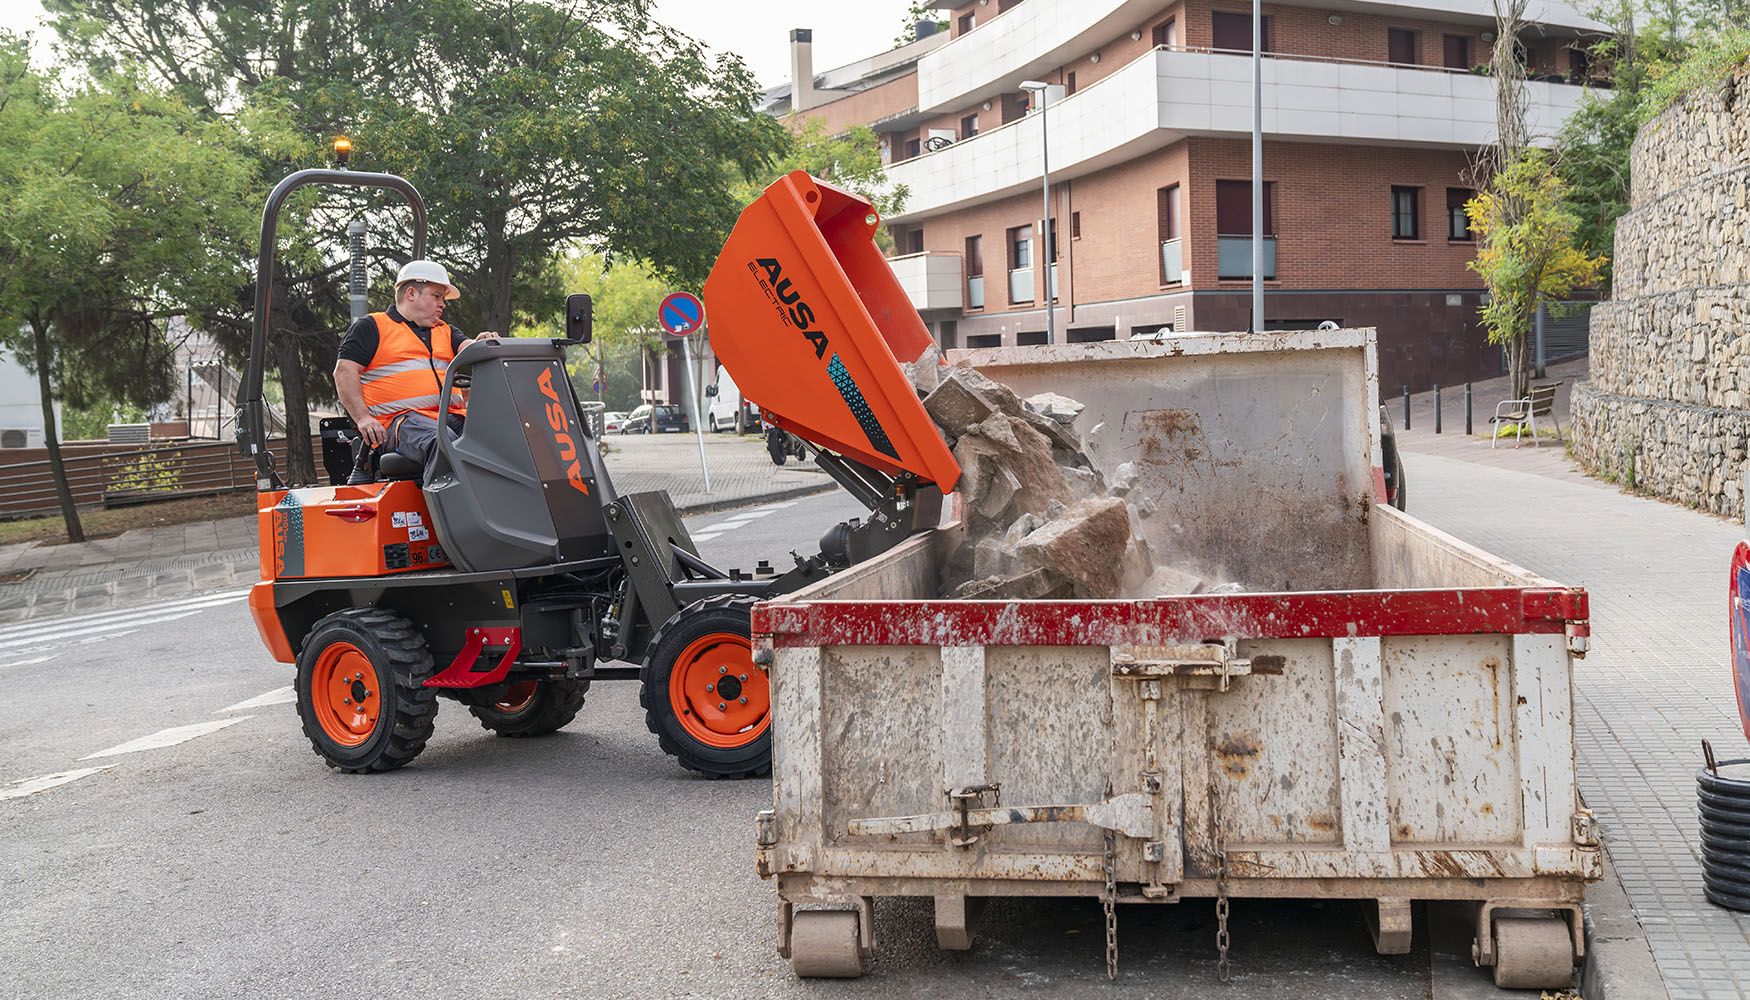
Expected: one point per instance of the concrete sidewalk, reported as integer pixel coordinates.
(1656, 682)
(176, 560)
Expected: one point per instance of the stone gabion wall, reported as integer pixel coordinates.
(1666, 405)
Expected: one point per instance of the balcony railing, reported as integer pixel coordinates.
(1052, 280)
(975, 292)
(1172, 262)
(1233, 257)
(931, 280)
(1021, 285)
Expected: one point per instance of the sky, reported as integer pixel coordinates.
(843, 32)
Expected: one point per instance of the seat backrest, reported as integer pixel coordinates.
(1543, 398)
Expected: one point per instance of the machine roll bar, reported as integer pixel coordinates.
(251, 407)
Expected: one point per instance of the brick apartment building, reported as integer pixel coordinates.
(1372, 113)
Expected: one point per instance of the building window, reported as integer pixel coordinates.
(1233, 227)
(1020, 247)
(1404, 223)
(913, 147)
(969, 126)
(1234, 31)
(1167, 33)
(1457, 52)
(1579, 63)
(968, 21)
(914, 241)
(1167, 224)
(1233, 208)
(1075, 225)
(948, 334)
(1031, 338)
(1400, 46)
(1458, 223)
(1014, 107)
(1069, 83)
(1053, 242)
(975, 272)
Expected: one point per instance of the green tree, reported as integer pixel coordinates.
(123, 211)
(529, 126)
(625, 294)
(850, 159)
(1527, 253)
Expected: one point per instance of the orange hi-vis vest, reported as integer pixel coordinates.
(405, 374)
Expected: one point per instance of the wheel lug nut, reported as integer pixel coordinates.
(744, 701)
(744, 677)
(722, 670)
(710, 687)
(722, 707)
(346, 701)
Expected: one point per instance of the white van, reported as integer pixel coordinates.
(725, 401)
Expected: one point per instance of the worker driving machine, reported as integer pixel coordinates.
(513, 574)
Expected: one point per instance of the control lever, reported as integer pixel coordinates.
(361, 461)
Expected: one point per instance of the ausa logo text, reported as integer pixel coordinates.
(557, 420)
(790, 303)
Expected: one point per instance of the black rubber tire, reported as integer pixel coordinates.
(775, 446)
(408, 713)
(554, 705)
(730, 613)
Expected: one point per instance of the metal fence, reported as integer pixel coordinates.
(162, 471)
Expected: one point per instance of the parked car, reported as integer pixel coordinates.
(664, 416)
(612, 421)
(726, 400)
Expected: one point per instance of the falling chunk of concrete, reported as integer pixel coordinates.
(1037, 584)
(1060, 408)
(1124, 479)
(1081, 545)
(1171, 580)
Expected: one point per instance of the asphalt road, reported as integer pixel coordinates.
(584, 864)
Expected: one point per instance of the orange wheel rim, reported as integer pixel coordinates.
(517, 697)
(719, 696)
(345, 695)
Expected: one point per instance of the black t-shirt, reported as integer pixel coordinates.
(360, 343)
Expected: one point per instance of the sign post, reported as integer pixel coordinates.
(682, 314)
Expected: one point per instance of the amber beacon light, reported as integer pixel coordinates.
(342, 150)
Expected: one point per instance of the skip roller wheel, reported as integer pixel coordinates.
(1533, 953)
(361, 690)
(707, 703)
(528, 708)
(826, 944)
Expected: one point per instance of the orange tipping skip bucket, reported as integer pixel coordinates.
(808, 318)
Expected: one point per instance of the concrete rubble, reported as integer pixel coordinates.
(1041, 520)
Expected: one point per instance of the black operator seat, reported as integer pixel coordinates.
(523, 484)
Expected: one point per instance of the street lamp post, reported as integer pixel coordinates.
(1038, 88)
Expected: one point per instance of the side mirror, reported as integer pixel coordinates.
(579, 318)
(711, 391)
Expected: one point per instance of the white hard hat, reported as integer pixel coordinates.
(427, 270)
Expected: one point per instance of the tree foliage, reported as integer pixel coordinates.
(626, 295)
(1527, 253)
(1658, 52)
(529, 125)
(124, 211)
(850, 159)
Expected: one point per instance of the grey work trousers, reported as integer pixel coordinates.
(415, 435)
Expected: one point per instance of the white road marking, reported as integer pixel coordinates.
(48, 633)
(168, 737)
(26, 663)
(87, 634)
(278, 696)
(30, 786)
(705, 536)
(137, 611)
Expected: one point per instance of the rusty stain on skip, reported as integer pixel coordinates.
(1236, 753)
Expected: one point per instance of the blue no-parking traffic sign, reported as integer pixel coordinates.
(681, 313)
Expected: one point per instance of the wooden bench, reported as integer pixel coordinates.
(1520, 412)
